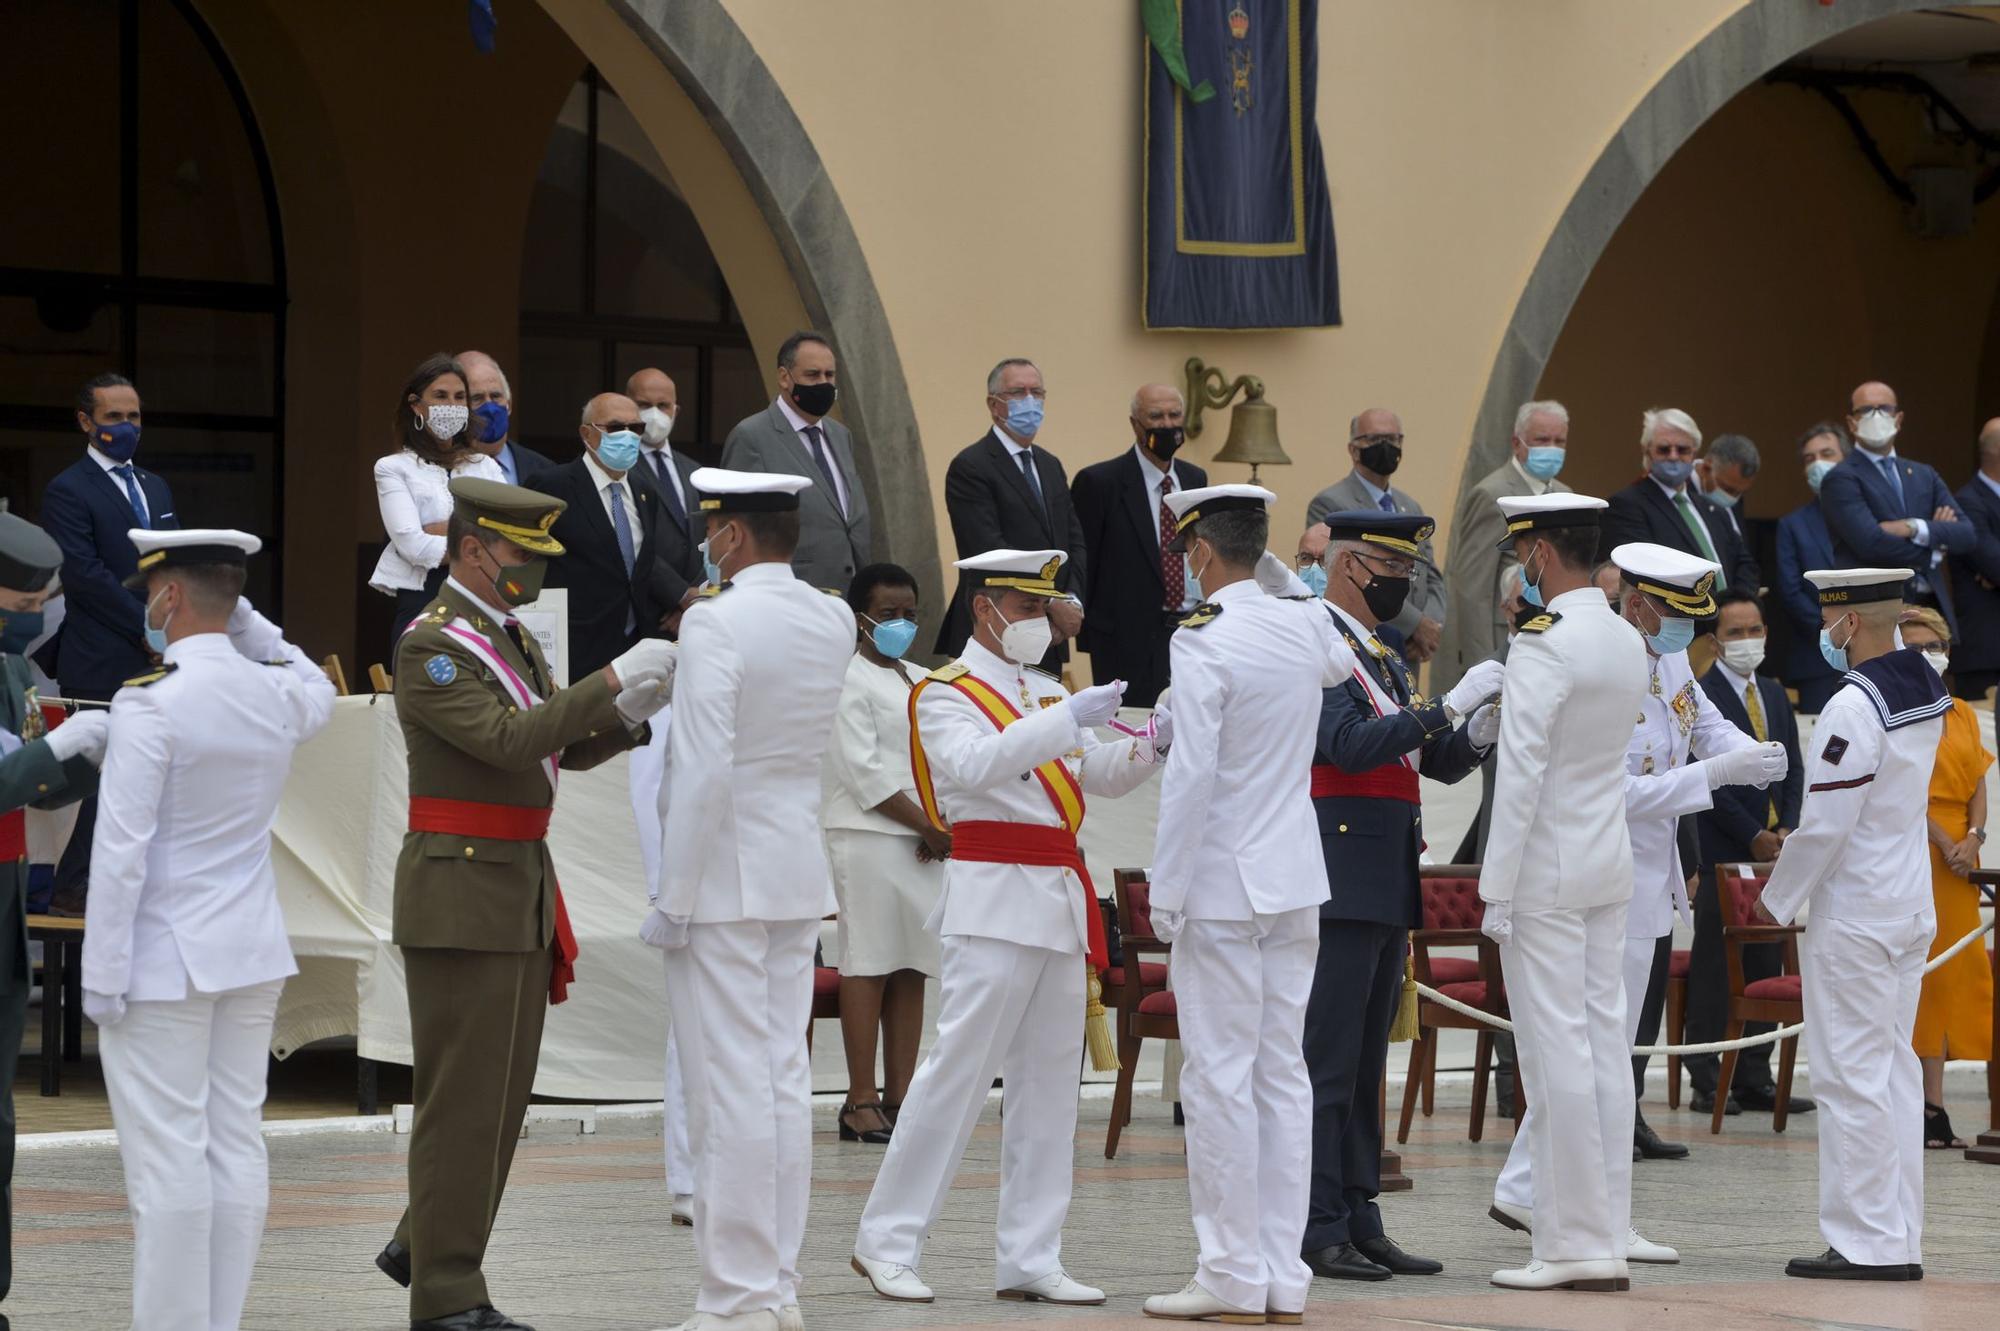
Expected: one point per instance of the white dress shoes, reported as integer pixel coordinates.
(1195, 1304)
(1638, 1248)
(763, 1319)
(1604, 1274)
(893, 1280)
(1512, 1217)
(791, 1319)
(683, 1209)
(1055, 1287)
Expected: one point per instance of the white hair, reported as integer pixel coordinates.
(1176, 392)
(1674, 419)
(1512, 582)
(1530, 410)
(506, 389)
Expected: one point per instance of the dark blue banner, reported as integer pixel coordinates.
(1238, 231)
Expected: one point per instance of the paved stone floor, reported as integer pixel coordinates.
(583, 1241)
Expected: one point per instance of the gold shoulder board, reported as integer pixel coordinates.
(151, 676)
(945, 674)
(1205, 613)
(1541, 623)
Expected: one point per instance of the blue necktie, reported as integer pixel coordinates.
(817, 447)
(1388, 504)
(507, 467)
(670, 494)
(1888, 466)
(124, 474)
(622, 525)
(1027, 457)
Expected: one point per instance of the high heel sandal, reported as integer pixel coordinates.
(872, 1136)
(1938, 1135)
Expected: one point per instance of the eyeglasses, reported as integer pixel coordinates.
(1386, 567)
(1016, 394)
(1883, 408)
(612, 427)
(1366, 440)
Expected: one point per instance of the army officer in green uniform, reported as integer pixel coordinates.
(38, 767)
(486, 943)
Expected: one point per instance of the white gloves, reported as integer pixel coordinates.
(1275, 577)
(252, 635)
(1758, 765)
(103, 1009)
(83, 735)
(663, 931)
(638, 703)
(651, 658)
(1498, 923)
(1167, 924)
(1097, 704)
(1163, 727)
(1476, 686)
(1484, 727)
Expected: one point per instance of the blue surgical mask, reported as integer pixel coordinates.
(1835, 656)
(1024, 416)
(1671, 472)
(1721, 498)
(1816, 473)
(1531, 592)
(893, 637)
(18, 628)
(117, 442)
(156, 638)
(491, 420)
(1674, 636)
(709, 568)
(1544, 461)
(618, 450)
(1314, 577)
(1194, 583)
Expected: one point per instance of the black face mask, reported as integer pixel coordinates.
(1382, 459)
(814, 399)
(1163, 441)
(1384, 597)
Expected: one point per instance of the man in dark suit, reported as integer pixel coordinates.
(1745, 825)
(1975, 576)
(1375, 736)
(1885, 511)
(669, 473)
(90, 507)
(611, 533)
(1139, 589)
(1803, 543)
(795, 436)
(1664, 509)
(1003, 493)
(491, 399)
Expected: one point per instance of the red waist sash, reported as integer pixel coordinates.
(1041, 847)
(1390, 781)
(502, 822)
(14, 836)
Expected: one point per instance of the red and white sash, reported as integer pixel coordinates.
(510, 680)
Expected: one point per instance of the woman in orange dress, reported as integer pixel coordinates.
(1955, 1013)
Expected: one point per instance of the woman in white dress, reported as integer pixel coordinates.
(432, 445)
(887, 860)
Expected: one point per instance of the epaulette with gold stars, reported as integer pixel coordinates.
(437, 614)
(151, 676)
(1205, 613)
(1542, 623)
(951, 670)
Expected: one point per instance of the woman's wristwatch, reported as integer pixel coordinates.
(1979, 832)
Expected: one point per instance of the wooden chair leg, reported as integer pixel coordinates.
(1480, 1060)
(1121, 1099)
(1430, 1075)
(1727, 1076)
(1676, 1028)
(1788, 1052)
(1419, 1057)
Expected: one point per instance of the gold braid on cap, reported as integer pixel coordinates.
(1695, 602)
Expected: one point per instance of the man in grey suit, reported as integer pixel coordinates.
(794, 436)
(1474, 566)
(1375, 445)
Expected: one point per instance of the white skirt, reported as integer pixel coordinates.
(885, 895)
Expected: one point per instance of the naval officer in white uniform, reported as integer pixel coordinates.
(1664, 592)
(743, 891)
(184, 945)
(1858, 859)
(1557, 881)
(1003, 755)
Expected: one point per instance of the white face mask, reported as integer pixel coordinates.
(447, 420)
(1026, 641)
(1743, 655)
(1937, 658)
(1876, 429)
(659, 424)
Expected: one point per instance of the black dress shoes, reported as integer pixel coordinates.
(1766, 1099)
(1382, 1251)
(394, 1259)
(1647, 1144)
(483, 1318)
(1704, 1103)
(1830, 1265)
(1343, 1261)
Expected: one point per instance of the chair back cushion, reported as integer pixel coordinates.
(1452, 903)
(1739, 896)
(1135, 903)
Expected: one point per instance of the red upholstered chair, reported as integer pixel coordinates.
(1452, 912)
(1676, 1020)
(826, 998)
(1136, 994)
(1777, 999)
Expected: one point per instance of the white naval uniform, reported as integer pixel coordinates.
(1663, 781)
(1859, 858)
(1014, 937)
(183, 921)
(648, 775)
(761, 668)
(1561, 853)
(1238, 857)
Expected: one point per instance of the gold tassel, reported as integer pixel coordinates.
(1096, 1026)
(1404, 1027)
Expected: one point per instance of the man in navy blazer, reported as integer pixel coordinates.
(1885, 511)
(491, 398)
(1745, 825)
(1803, 543)
(91, 508)
(1975, 576)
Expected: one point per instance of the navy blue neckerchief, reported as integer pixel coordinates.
(1902, 687)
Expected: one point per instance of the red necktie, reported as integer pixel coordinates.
(1173, 571)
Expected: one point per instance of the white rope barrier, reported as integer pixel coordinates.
(1713, 1046)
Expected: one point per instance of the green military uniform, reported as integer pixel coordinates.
(475, 916)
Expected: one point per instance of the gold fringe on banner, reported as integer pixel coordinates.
(1404, 1027)
(1096, 1025)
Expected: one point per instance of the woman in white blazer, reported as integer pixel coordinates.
(432, 445)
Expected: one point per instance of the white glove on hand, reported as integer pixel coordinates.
(1163, 728)
(638, 703)
(1476, 686)
(1097, 704)
(1758, 765)
(650, 658)
(1275, 577)
(82, 736)
(663, 931)
(103, 1009)
(1167, 924)
(1484, 727)
(1498, 923)
(252, 635)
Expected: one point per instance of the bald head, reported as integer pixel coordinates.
(1874, 416)
(1159, 413)
(1375, 444)
(605, 414)
(653, 388)
(1989, 448)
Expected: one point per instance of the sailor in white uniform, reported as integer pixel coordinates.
(184, 946)
(743, 891)
(1557, 881)
(1858, 859)
(1004, 755)
(1665, 591)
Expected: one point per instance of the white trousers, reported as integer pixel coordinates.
(674, 1123)
(1571, 1161)
(186, 1081)
(1015, 1012)
(1241, 988)
(1861, 987)
(741, 994)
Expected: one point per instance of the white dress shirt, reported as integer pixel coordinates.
(111, 466)
(412, 494)
(1155, 486)
(602, 481)
(799, 426)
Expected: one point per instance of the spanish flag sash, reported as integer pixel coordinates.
(1056, 778)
